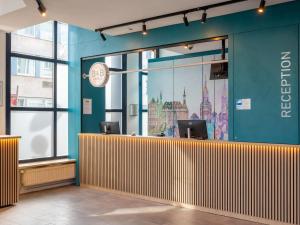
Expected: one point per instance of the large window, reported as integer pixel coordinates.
(38, 90)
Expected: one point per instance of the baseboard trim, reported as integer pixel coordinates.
(25, 190)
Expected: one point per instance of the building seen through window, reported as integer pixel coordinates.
(39, 90)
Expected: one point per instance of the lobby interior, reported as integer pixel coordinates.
(149, 112)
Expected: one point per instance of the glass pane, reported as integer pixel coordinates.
(161, 99)
(114, 117)
(132, 103)
(145, 123)
(36, 40)
(36, 130)
(113, 92)
(62, 134)
(31, 83)
(114, 61)
(133, 61)
(132, 94)
(147, 55)
(62, 86)
(186, 98)
(62, 41)
(145, 91)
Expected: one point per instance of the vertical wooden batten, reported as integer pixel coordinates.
(258, 182)
(9, 177)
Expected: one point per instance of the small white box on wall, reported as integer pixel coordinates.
(87, 106)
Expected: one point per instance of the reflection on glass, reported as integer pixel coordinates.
(36, 40)
(132, 102)
(113, 92)
(36, 130)
(147, 55)
(31, 83)
(187, 93)
(62, 86)
(114, 117)
(132, 93)
(62, 134)
(161, 99)
(62, 41)
(114, 61)
(145, 91)
(145, 123)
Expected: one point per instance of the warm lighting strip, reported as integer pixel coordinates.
(258, 182)
(9, 159)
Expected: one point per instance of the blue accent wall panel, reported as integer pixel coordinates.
(266, 71)
(90, 123)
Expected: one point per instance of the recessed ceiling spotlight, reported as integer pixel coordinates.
(204, 17)
(102, 36)
(186, 21)
(262, 7)
(41, 8)
(144, 32)
(188, 46)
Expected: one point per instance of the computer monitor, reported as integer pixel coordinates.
(109, 127)
(196, 128)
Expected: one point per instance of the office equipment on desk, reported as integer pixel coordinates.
(193, 129)
(110, 127)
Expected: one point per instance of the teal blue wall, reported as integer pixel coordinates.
(257, 75)
(90, 123)
(85, 43)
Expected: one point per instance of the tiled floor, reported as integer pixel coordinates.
(81, 206)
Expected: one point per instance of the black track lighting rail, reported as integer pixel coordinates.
(183, 12)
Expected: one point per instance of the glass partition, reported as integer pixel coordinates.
(167, 85)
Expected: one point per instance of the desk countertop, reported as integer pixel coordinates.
(8, 136)
(183, 139)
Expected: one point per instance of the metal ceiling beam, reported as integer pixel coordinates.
(183, 12)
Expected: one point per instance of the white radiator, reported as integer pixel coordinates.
(47, 174)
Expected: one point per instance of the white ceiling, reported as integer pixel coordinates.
(94, 14)
(7, 6)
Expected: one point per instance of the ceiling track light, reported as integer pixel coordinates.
(262, 7)
(186, 21)
(102, 36)
(144, 31)
(204, 17)
(178, 13)
(41, 8)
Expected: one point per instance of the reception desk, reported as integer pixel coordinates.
(257, 182)
(9, 158)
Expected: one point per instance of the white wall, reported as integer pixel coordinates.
(2, 78)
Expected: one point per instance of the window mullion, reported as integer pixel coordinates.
(8, 83)
(55, 90)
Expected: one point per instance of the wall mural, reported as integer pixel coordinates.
(186, 93)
